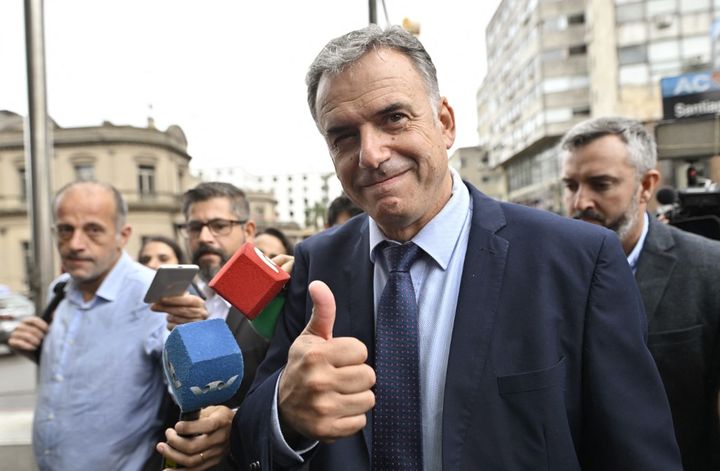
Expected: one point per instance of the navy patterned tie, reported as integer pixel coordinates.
(397, 418)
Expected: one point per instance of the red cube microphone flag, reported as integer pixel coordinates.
(249, 280)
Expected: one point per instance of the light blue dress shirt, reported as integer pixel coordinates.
(634, 255)
(101, 380)
(436, 279)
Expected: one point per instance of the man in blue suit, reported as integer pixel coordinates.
(530, 330)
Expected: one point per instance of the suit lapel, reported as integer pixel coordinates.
(655, 266)
(477, 305)
(359, 275)
(233, 320)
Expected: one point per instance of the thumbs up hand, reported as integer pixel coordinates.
(324, 390)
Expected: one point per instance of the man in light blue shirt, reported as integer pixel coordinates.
(101, 380)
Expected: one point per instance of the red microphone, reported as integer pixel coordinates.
(249, 280)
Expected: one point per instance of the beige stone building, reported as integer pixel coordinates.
(147, 165)
(553, 63)
(473, 165)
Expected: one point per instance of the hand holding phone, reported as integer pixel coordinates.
(170, 280)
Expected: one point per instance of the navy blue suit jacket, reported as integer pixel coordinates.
(548, 366)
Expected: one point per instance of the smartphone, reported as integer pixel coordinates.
(170, 280)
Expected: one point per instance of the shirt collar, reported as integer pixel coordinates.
(634, 256)
(445, 227)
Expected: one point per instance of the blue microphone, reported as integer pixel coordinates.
(203, 365)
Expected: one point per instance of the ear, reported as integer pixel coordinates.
(250, 230)
(648, 183)
(123, 235)
(446, 117)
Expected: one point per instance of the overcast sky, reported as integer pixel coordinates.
(229, 72)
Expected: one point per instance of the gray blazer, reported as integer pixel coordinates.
(678, 275)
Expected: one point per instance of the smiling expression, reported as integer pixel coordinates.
(387, 141)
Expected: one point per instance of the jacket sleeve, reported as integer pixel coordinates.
(251, 440)
(626, 417)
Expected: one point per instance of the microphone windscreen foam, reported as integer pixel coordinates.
(249, 280)
(666, 195)
(203, 364)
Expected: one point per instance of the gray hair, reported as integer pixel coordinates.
(121, 208)
(209, 190)
(639, 142)
(344, 51)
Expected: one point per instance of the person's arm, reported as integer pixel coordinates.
(626, 416)
(253, 438)
(28, 336)
(199, 444)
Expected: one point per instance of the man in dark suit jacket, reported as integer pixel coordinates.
(609, 173)
(217, 225)
(531, 331)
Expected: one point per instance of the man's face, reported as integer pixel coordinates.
(601, 187)
(388, 145)
(87, 240)
(210, 251)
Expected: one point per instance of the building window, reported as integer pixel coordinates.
(656, 7)
(146, 179)
(694, 5)
(636, 74)
(632, 54)
(630, 12)
(84, 172)
(580, 49)
(577, 19)
(581, 111)
(664, 51)
(553, 55)
(22, 183)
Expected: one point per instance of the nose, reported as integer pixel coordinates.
(582, 199)
(154, 263)
(373, 148)
(206, 236)
(77, 241)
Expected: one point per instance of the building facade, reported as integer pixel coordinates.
(148, 166)
(473, 165)
(552, 64)
(301, 198)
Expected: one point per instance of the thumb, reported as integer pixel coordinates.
(322, 318)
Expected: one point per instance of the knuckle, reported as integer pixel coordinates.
(317, 383)
(324, 407)
(314, 356)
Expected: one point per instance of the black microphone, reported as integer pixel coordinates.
(666, 195)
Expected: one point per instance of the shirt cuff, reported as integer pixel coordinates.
(279, 443)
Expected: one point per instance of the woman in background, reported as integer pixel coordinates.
(273, 242)
(160, 250)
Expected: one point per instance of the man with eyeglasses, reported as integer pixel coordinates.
(216, 225)
(100, 384)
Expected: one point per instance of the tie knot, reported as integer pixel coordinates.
(401, 257)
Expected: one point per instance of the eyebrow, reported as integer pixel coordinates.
(391, 108)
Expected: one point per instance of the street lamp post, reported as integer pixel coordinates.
(37, 155)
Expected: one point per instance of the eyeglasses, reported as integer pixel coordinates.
(218, 227)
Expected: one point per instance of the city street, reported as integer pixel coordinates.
(17, 400)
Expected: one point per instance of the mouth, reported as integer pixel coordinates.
(382, 180)
(208, 257)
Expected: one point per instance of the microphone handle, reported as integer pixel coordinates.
(184, 416)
